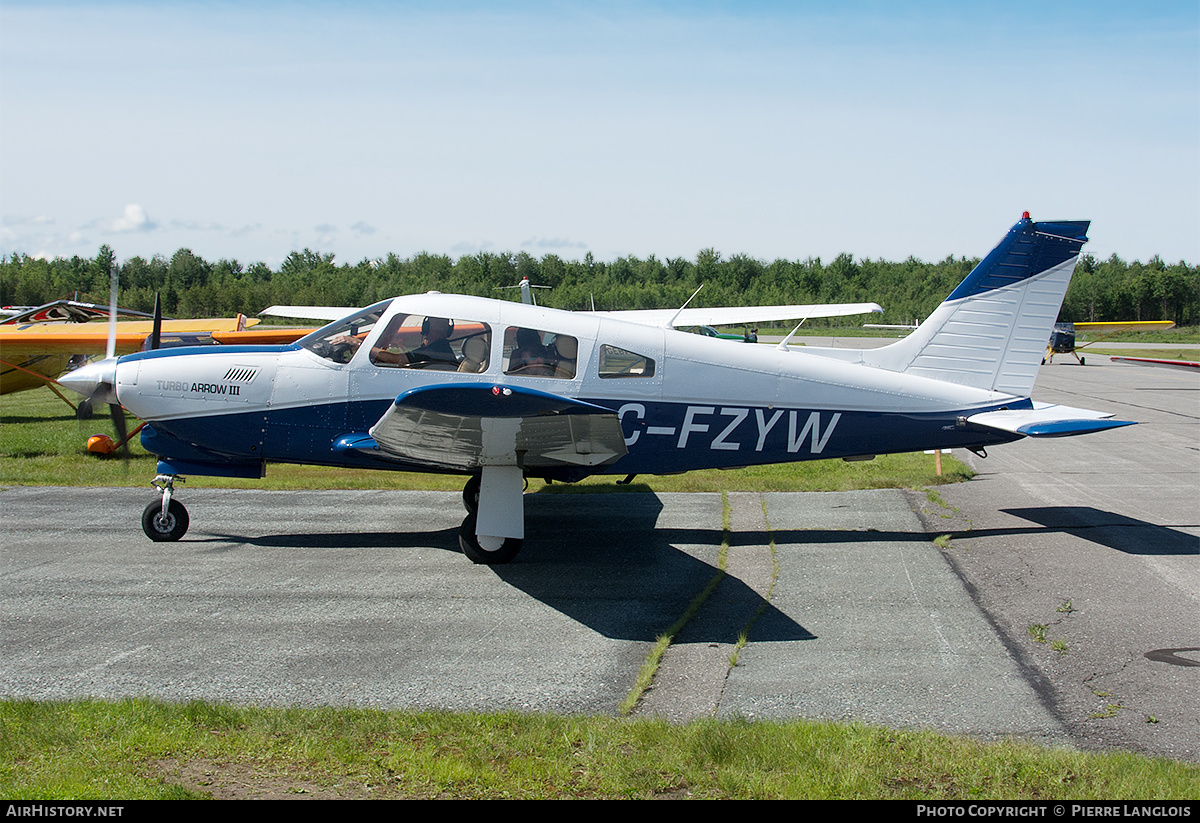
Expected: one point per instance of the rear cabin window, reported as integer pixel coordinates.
(536, 353)
(617, 362)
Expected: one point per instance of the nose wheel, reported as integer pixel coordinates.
(166, 520)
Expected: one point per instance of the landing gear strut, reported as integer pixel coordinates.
(493, 496)
(165, 520)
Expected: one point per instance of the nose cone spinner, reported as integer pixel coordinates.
(96, 382)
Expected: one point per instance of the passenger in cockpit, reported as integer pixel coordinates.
(434, 351)
(529, 356)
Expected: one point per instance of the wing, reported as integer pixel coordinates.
(267, 337)
(1108, 329)
(740, 315)
(465, 427)
(326, 313)
(92, 338)
(1155, 361)
(1132, 325)
(1047, 420)
(71, 310)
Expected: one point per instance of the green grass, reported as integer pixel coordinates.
(133, 749)
(42, 443)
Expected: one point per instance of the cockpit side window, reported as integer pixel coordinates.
(535, 353)
(617, 362)
(340, 340)
(413, 341)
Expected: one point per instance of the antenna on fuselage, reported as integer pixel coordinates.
(526, 290)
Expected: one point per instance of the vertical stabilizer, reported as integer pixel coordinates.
(991, 332)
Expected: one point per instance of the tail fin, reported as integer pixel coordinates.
(991, 332)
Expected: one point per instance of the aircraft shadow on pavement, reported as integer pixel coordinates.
(608, 562)
(1115, 531)
(614, 563)
(441, 539)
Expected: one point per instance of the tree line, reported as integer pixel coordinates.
(190, 286)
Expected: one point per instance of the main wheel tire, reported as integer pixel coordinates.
(168, 528)
(471, 494)
(469, 543)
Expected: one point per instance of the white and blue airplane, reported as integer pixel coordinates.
(500, 391)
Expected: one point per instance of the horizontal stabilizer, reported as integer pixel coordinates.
(1047, 420)
(464, 428)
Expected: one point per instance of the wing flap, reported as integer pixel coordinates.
(463, 428)
(1047, 420)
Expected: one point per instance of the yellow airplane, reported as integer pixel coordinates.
(34, 354)
(1062, 338)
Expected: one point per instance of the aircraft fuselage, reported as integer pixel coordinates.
(683, 401)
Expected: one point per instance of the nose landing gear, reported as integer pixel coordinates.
(166, 520)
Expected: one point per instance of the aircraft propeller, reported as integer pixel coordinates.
(105, 388)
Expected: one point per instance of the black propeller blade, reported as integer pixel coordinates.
(156, 332)
(118, 419)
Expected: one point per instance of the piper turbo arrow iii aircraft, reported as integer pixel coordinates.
(500, 391)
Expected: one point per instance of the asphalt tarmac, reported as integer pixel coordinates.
(1061, 603)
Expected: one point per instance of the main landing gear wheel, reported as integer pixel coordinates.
(163, 528)
(497, 551)
(471, 494)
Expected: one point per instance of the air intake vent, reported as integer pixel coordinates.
(241, 374)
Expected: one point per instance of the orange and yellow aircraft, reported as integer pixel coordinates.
(38, 345)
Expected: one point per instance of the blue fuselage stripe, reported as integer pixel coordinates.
(660, 437)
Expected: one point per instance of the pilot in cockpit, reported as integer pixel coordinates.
(434, 351)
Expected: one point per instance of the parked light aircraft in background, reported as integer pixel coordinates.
(1062, 338)
(39, 344)
(500, 391)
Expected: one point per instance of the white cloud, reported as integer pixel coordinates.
(134, 219)
(249, 228)
(196, 225)
(36, 220)
(553, 243)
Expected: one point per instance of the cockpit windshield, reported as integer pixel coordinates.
(340, 340)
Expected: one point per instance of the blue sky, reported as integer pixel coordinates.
(884, 129)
